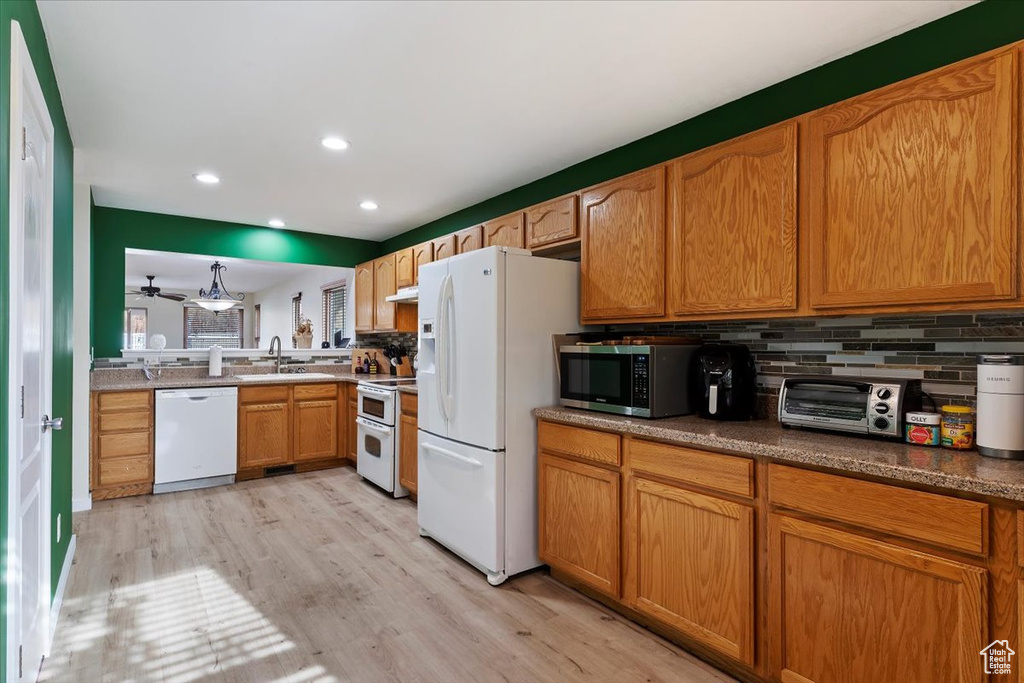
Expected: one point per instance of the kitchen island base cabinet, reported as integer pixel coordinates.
(579, 521)
(851, 608)
(692, 564)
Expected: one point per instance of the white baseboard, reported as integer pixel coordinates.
(81, 504)
(58, 598)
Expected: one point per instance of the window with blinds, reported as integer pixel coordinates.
(256, 324)
(204, 328)
(296, 314)
(334, 303)
(135, 320)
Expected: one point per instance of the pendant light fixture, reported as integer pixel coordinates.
(218, 298)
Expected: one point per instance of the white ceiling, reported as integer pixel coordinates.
(445, 103)
(186, 273)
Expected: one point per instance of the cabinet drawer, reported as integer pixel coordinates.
(312, 392)
(125, 422)
(123, 471)
(266, 394)
(410, 404)
(125, 400)
(928, 517)
(121, 445)
(582, 443)
(726, 473)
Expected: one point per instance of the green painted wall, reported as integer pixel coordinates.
(113, 230)
(965, 33)
(26, 14)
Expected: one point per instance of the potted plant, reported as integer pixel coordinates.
(303, 335)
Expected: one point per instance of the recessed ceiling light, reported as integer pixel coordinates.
(368, 205)
(334, 143)
(208, 178)
(275, 223)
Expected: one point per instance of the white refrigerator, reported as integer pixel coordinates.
(485, 361)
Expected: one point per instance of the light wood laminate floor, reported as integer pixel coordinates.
(315, 578)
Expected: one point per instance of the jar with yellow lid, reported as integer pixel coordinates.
(958, 427)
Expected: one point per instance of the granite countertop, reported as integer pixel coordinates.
(408, 389)
(895, 460)
(180, 378)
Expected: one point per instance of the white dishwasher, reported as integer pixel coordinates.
(196, 438)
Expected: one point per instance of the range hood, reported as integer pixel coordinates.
(406, 295)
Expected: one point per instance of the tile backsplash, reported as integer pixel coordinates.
(938, 349)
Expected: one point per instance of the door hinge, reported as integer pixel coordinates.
(24, 144)
(21, 667)
(22, 401)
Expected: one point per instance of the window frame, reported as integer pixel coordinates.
(127, 335)
(325, 295)
(184, 326)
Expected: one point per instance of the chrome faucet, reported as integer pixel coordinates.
(276, 340)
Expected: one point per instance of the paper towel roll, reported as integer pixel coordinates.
(216, 355)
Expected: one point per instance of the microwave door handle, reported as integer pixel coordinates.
(713, 399)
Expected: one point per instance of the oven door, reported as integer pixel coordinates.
(597, 377)
(376, 453)
(376, 404)
(831, 405)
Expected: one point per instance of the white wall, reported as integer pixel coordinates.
(82, 362)
(167, 317)
(276, 304)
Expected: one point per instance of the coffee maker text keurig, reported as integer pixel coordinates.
(724, 382)
(1000, 429)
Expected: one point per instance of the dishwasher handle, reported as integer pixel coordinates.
(197, 395)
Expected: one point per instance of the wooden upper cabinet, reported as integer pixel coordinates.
(692, 564)
(552, 222)
(622, 267)
(849, 608)
(912, 190)
(405, 268)
(469, 239)
(732, 216)
(506, 231)
(364, 297)
(384, 286)
(422, 254)
(444, 247)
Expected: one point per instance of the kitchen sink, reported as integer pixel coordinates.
(283, 377)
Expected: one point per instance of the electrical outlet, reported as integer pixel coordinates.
(58, 527)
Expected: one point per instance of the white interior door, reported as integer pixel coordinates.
(31, 304)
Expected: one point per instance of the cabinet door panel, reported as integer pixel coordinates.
(408, 467)
(551, 222)
(469, 239)
(622, 267)
(364, 297)
(384, 286)
(405, 268)
(849, 608)
(912, 191)
(732, 226)
(504, 232)
(315, 430)
(694, 557)
(579, 521)
(421, 255)
(264, 435)
(444, 247)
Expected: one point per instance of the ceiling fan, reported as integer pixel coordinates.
(149, 291)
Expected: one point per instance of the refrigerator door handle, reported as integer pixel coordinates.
(440, 338)
(449, 347)
(431, 448)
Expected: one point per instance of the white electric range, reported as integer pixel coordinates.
(378, 432)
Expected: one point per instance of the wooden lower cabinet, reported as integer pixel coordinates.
(579, 521)
(852, 608)
(352, 439)
(691, 564)
(315, 430)
(264, 435)
(408, 447)
(121, 444)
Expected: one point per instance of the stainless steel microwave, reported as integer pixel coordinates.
(643, 381)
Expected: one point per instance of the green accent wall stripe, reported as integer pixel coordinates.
(114, 230)
(973, 30)
(26, 14)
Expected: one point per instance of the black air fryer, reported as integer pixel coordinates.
(724, 382)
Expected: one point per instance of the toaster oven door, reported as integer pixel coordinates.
(597, 377)
(839, 405)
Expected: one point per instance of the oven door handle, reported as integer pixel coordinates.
(431, 448)
(372, 391)
(373, 426)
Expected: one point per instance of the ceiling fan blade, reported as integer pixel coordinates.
(135, 291)
(172, 296)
